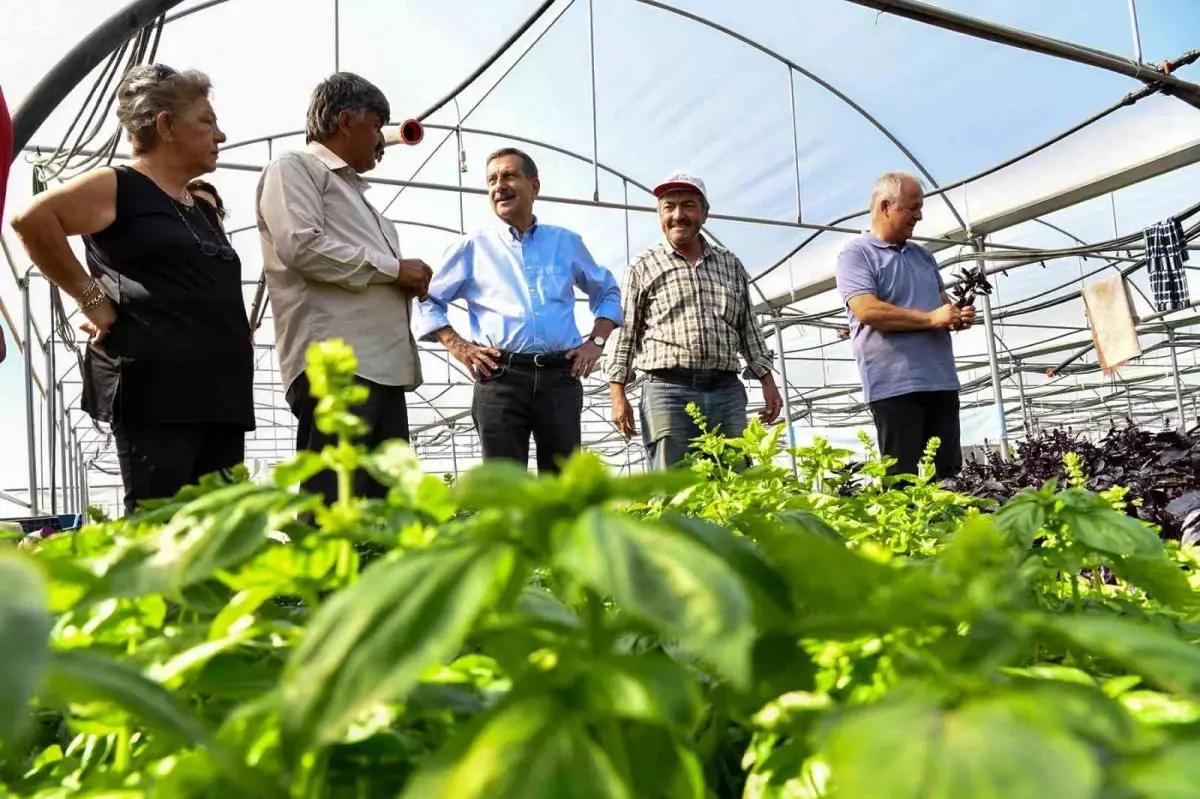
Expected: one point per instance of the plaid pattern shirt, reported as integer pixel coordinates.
(1166, 250)
(680, 315)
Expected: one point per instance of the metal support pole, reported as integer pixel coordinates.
(76, 473)
(628, 254)
(65, 445)
(1175, 377)
(787, 401)
(1016, 365)
(595, 134)
(70, 475)
(1137, 37)
(462, 168)
(795, 142)
(77, 456)
(65, 451)
(51, 411)
(1129, 402)
(83, 480)
(30, 421)
(993, 363)
(337, 37)
(454, 450)
(960, 23)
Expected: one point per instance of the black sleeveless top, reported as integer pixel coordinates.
(180, 351)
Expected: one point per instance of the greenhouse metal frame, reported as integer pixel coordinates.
(1054, 380)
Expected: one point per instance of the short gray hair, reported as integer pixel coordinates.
(890, 186)
(528, 167)
(152, 89)
(342, 91)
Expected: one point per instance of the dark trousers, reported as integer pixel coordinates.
(159, 459)
(385, 413)
(907, 422)
(668, 430)
(525, 397)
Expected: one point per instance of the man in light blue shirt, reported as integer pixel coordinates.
(523, 349)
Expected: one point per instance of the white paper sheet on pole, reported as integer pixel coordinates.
(1110, 314)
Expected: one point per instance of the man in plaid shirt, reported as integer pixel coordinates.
(686, 304)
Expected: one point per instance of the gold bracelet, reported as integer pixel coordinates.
(93, 297)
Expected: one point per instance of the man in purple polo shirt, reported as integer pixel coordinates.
(900, 323)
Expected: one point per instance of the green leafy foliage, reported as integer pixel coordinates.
(25, 624)
(737, 628)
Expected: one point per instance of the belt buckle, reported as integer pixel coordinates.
(537, 361)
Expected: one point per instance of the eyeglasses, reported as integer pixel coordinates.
(162, 72)
(210, 249)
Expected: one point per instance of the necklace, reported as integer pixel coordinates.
(184, 198)
(223, 250)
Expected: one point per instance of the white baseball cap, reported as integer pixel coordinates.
(680, 180)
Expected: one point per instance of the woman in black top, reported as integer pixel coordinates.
(170, 362)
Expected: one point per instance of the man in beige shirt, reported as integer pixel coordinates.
(334, 269)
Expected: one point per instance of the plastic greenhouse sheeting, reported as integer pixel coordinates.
(788, 110)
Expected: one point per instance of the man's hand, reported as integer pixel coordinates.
(478, 360)
(772, 400)
(966, 319)
(414, 277)
(948, 316)
(585, 356)
(99, 320)
(622, 412)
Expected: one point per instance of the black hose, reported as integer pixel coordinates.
(479, 70)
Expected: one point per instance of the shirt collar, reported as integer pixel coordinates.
(333, 162)
(326, 156)
(512, 231)
(881, 244)
(705, 248)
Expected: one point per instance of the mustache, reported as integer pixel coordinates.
(503, 194)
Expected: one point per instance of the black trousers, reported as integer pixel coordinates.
(524, 397)
(159, 459)
(386, 415)
(907, 422)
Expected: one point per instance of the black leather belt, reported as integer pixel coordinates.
(703, 379)
(547, 360)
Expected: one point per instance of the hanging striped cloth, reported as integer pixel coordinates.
(1166, 250)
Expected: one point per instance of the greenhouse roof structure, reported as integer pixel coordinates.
(1047, 136)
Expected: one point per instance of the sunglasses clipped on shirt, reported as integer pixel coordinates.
(208, 248)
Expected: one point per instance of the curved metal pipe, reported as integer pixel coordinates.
(64, 76)
(824, 84)
(1080, 54)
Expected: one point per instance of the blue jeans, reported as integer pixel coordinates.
(667, 430)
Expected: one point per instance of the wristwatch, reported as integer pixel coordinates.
(598, 341)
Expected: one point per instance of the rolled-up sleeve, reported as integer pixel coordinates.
(597, 282)
(620, 365)
(759, 358)
(444, 288)
(290, 207)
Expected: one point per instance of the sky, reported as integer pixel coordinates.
(669, 93)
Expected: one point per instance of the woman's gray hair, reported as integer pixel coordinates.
(341, 91)
(890, 187)
(151, 89)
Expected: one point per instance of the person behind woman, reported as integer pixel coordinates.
(208, 192)
(169, 362)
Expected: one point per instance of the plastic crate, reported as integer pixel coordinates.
(60, 523)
